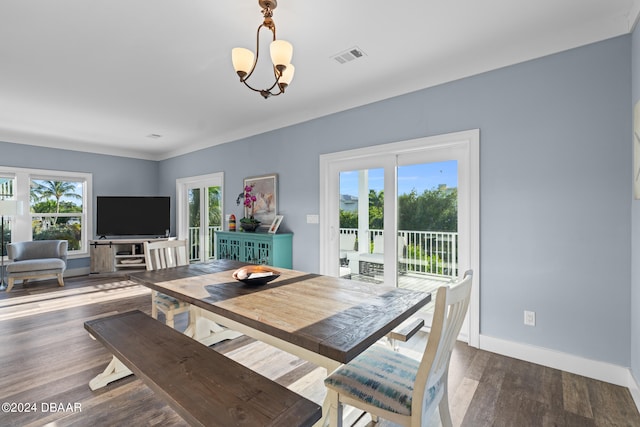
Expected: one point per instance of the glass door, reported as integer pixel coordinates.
(200, 214)
(400, 214)
(427, 251)
(426, 254)
(361, 224)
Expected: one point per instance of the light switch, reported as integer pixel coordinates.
(313, 219)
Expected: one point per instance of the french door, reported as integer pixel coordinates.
(387, 214)
(199, 213)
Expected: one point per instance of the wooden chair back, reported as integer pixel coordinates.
(165, 254)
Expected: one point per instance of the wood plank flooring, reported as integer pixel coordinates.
(47, 360)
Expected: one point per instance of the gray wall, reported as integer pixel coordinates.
(555, 168)
(635, 229)
(112, 175)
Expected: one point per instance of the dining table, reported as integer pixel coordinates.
(322, 319)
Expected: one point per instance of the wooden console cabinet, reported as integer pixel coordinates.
(256, 248)
(117, 255)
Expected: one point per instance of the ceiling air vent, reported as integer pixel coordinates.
(154, 136)
(348, 55)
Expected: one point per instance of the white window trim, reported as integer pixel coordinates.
(22, 222)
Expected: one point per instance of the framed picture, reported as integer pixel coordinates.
(265, 189)
(275, 224)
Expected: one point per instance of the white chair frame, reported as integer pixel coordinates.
(450, 310)
(166, 254)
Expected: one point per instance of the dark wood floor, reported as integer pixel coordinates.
(47, 360)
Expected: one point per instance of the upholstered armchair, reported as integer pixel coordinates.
(39, 258)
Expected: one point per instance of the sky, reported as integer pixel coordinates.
(73, 200)
(424, 176)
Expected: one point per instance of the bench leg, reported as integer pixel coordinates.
(10, 281)
(203, 329)
(114, 371)
(60, 279)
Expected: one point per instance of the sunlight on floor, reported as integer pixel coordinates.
(14, 308)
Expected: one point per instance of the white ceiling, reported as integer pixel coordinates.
(102, 75)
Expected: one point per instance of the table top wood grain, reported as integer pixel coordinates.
(336, 318)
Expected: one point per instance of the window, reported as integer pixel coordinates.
(55, 205)
(7, 184)
(56, 209)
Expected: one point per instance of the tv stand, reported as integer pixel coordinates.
(117, 255)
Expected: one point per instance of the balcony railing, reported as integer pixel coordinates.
(194, 243)
(424, 252)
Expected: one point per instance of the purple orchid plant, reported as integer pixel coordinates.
(247, 199)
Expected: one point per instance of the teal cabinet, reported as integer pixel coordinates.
(256, 248)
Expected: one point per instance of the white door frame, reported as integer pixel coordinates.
(389, 154)
(182, 203)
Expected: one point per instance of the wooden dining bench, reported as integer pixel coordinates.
(203, 386)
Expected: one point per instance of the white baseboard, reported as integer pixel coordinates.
(601, 371)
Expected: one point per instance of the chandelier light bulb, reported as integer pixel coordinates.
(281, 52)
(287, 75)
(244, 61)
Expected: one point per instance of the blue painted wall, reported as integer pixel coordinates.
(555, 187)
(112, 175)
(555, 168)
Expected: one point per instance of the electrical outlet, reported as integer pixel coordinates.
(530, 318)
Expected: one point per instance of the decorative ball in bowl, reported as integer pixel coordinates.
(255, 274)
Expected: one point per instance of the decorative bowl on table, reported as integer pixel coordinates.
(255, 274)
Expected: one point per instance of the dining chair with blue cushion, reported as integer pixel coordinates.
(395, 387)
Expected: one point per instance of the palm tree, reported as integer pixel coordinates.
(55, 189)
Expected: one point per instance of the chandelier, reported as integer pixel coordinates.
(281, 51)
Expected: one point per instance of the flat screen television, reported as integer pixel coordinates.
(133, 216)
